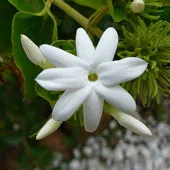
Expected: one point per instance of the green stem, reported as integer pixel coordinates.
(82, 20)
(111, 110)
(45, 9)
(98, 15)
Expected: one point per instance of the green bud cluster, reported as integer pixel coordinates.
(151, 43)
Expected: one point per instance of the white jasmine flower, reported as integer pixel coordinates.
(138, 6)
(33, 52)
(90, 78)
(48, 128)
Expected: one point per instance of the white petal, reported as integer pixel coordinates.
(69, 102)
(61, 58)
(93, 108)
(132, 124)
(48, 128)
(116, 72)
(84, 46)
(106, 47)
(32, 50)
(55, 79)
(117, 97)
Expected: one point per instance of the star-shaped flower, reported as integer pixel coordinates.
(90, 78)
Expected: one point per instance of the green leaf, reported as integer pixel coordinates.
(165, 14)
(6, 15)
(51, 97)
(90, 3)
(119, 13)
(110, 7)
(32, 6)
(41, 29)
(66, 45)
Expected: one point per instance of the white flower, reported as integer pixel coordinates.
(48, 128)
(90, 78)
(138, 6)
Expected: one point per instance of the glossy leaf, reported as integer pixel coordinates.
(40, 29)
(32, 6)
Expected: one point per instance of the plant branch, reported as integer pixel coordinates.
(82, 20)
(98, 15)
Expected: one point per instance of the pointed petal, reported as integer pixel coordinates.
(117, 97)
(132, 124)
(50, 126)
(69, 102)
(93, 108)
(55, 79)
(106, 47)
(116, 72)
(84, 46)
(61, 58)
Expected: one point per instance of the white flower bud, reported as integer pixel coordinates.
(32, 51)
(138, 6)
(132, 124)
(48, 128)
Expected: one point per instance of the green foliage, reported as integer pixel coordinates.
(151, 43)
(89, 3)
(153, 9)
(5, 26)
(51, 97)
(110, 7)
(18, 119)
(28, 5)
(119, 13)
(41, 28)
(67, 45)
(165, 14)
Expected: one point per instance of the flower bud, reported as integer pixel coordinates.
(32, 51)
(48, 128)
(132, 124)
(138, 6)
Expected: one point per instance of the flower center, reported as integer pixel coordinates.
(93, 77)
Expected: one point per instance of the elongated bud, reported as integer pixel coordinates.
(132, 124)
(138, 6)
(32, 51)
(48, 128)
